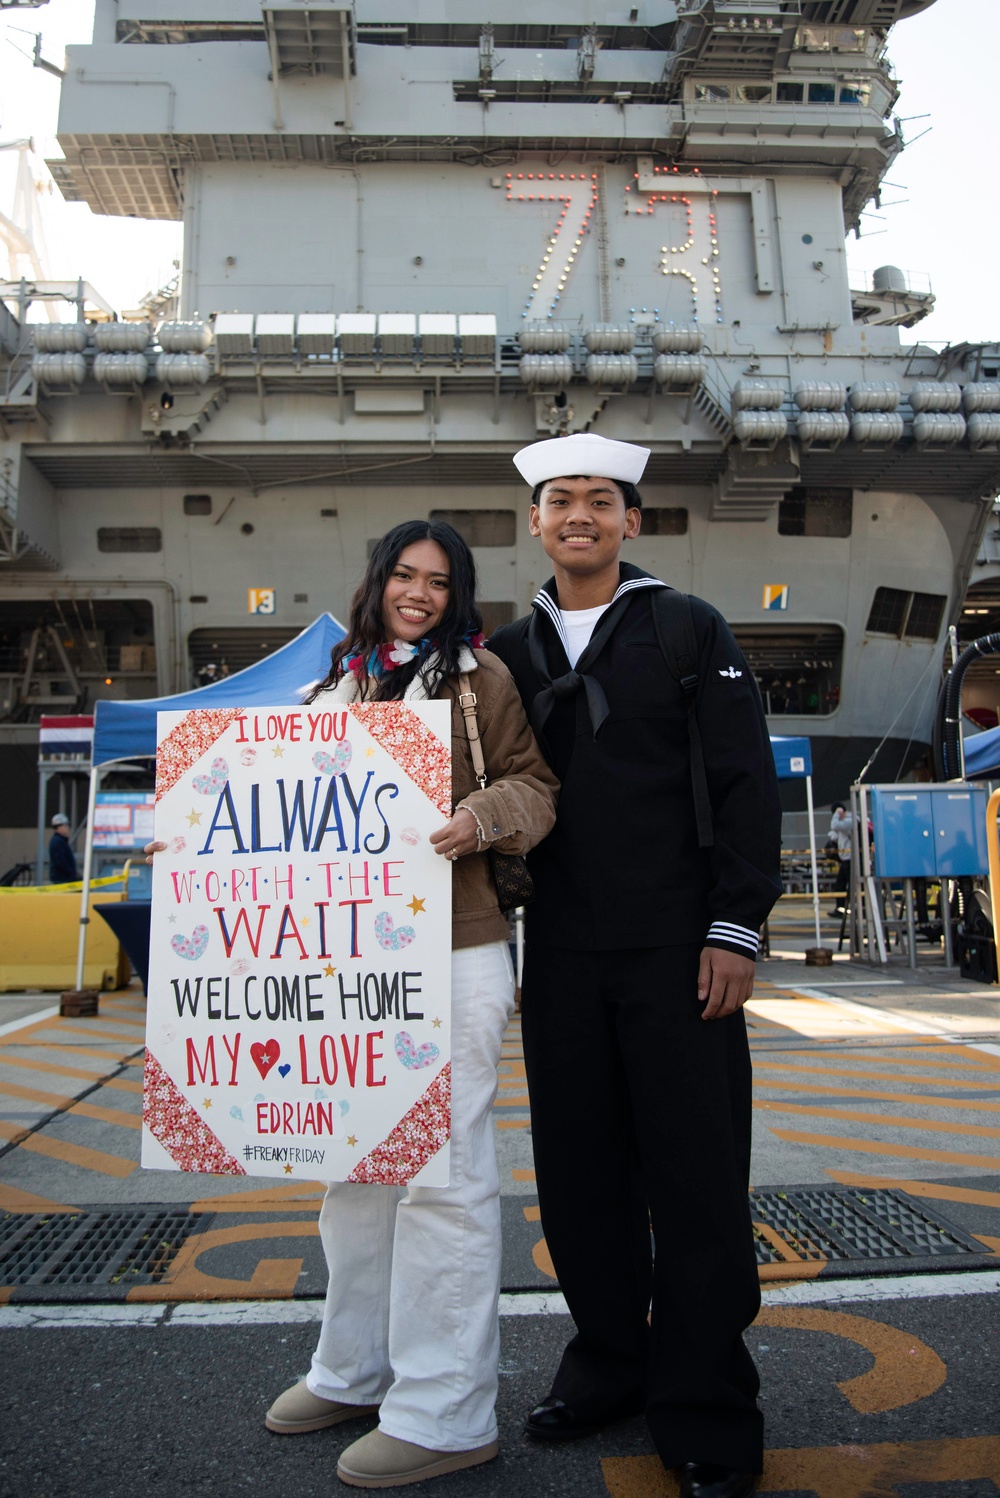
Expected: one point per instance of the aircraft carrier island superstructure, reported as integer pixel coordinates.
(419, 234)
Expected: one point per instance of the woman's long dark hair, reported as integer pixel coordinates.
(366, 629)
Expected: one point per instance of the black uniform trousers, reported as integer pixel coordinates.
(641, 1115)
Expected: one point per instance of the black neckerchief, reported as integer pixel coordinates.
(545, 606)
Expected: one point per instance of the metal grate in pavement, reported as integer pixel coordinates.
(91, 1249)
(846, 1222)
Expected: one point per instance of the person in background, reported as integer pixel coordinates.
(841, 823)
(62, 859)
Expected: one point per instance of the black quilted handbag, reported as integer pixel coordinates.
(514, 884)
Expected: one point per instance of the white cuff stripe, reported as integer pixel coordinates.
(739, 936)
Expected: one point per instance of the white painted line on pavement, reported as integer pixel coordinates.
(223, 1313)
(534, 1303)
(28, 1019)
(17, 1318)
(857, 983)
(895, 1287)
(247, 1313)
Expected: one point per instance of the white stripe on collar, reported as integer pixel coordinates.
(545, 600)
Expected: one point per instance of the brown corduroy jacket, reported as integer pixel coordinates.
(517, 808)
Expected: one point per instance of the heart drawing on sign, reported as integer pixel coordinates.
(391, 938)
(414, 1057)
(216, 778)
(191, 947)
(284, 1068)
(335, 763)
(264, 1056)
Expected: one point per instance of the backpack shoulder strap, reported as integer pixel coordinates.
(674, 625)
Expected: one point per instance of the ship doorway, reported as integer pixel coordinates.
(797, 666)
(61, 654)
(215, 653)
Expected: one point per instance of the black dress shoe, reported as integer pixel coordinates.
(554, 1420)
(703, 1480)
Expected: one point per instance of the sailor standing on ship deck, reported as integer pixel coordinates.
(640, 950)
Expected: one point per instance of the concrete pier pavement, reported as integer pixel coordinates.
(147, 1319)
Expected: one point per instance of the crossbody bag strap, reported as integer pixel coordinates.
(467, 702)
(683, 665)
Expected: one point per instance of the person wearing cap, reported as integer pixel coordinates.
(62, 860)
(650, 893)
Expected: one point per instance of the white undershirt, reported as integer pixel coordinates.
(579, 625)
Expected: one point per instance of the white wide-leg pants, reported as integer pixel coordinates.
(411, 1308)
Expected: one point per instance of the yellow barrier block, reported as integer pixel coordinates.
(38, 943)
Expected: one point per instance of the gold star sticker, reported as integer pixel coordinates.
(288, 1170)
(193, 818)
(369, 754)
(303, 920)
(329, 970)
(352, 1139)
(206, 1102)
(278, 752)
(415, 905)
(437, 1024)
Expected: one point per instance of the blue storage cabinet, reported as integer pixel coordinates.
(929, 831)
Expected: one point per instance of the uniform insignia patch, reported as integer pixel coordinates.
(731, 672)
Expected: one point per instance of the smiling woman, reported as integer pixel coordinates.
(416, 594)
(421, 1345)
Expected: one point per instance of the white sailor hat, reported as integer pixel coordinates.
(584, 453)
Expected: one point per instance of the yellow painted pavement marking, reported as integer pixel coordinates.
(872, 1076)
(832, 1471)
(68, 1154)
(118, 1057)
(272, 1279)
(858, 1115)
(107, 1115)
(265, 1199)
(905, 1370)
(513, 1123)
(911, 1056)
(12, 1199)
(34, 1095)
(826, 1090)
(900, 1151)
(928, 1189)
(52, 1069)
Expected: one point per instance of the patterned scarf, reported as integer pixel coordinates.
(396, 653)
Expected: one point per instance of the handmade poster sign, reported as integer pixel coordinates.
(300, 950)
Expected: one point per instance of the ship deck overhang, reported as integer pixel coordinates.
(272, 465)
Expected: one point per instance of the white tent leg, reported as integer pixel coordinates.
(88, 860)
(812, 856)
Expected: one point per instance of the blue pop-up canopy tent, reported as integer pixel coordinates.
(982, 755)
(127, 730)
